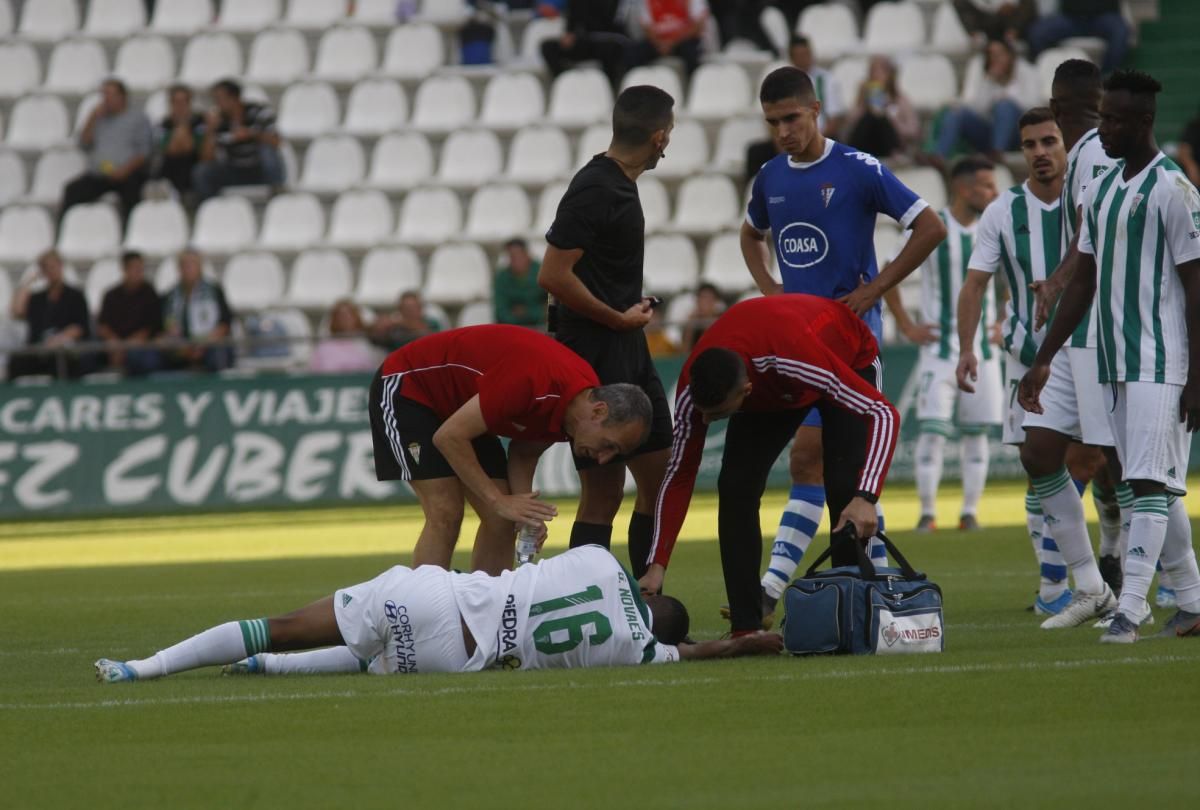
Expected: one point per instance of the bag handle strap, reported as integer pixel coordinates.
(849, 534)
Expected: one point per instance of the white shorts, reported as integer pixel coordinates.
(1073, 399)
(939, 393)
(1014, 414)
(407, 618)
(1151, 442)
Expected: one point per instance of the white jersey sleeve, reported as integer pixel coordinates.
(1180, 206)
(1086, 243)
(989, 246)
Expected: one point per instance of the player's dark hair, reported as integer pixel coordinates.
(968, 165)
(671, 621)
(640, 111)
(784, 83)
(626, 404)
(1079, 76)
(229, 86)
(1034, 115)
(130, 256)
(1142, 86)
(715, 374)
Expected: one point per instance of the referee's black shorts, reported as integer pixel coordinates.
(621, 357)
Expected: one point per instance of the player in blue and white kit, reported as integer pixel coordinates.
(816, 203)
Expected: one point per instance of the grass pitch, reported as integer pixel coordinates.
(1009, 715)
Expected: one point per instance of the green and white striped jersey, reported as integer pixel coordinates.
(942, 275)
(1140, 230)
(1086, 162)
(1023, 236)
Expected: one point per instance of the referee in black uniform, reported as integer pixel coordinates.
(593, 268)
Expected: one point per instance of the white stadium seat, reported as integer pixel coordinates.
(443, 103)
(75, 67)
(660, 76)
(687, 153)
(157, 103)
(928, 80)
(705, 204)
(102, 276)
(25, 231)
(536, 32)
(724, 266)
(6, 293)
(314, 15)
(429, 216)
(114, 19)
(181, 16)
(457, 274)
(469, 157)
(547, 207)
(6, 27)
(208, 58)
(849, 73)
(333, 163)
(37, 121)
(498, 213)
(20, 70)
(157, 227)
(774, 25)
(894, 28)
(252, 280)
(360, 219)
(538, 155)
(656, 202)
(12, 176)
(831, 27)
(320, 277)
(278, 57)
(244, 17)
(308, 109)
(224, 225)
(145, 63)
(48, 20)
(379, 13)
(477, 313)
(579, 97)
(292, 222)
(401, 160)
(594, 140)
(1049, 60)
(345, 54)
(54, 169)
(286, 336)
(734, 137)
(511, 101)
(446, 13)
(670, 263)
(926, 182)
(385, 273)
(89, 231)
(413, 52)
(719, 90)
(375, 106)
(948, 35)
(83, 110)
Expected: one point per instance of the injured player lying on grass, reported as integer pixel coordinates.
(578, 609)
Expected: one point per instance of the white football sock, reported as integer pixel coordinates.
(973, 455)
(801, 516)
(1147, 534)
(1063, 512)
(931, 448)
(1125, 504)
(312, 662)
(223, 644)
(1179, 558)
(1052, 569)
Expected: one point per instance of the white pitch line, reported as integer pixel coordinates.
(483, 688)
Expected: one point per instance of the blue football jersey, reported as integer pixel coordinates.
(821, 216)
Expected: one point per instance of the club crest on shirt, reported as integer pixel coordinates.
(827, 190)
(1137, 200)
(414, 450)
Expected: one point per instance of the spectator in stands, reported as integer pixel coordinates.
(1189, 150)
(992, 101)
(132, 312)
(347, 348)
(829, 92)
(883, 122)
(56, 316)
(406, 324)
(195, 311)
(708, 308)
(671, 28)
(996, 19)
(1084, 18)
(517, 297)
(594, 30)
(178, 139)
(117, 140)
(241, 145)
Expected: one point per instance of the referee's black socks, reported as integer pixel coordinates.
(583, 534)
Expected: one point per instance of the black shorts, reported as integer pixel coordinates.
(402, 438)
(622, 357)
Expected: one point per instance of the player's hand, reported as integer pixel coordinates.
(862, 299)
(1030, 389)
(1046, 294)
(775, 288)
(524, 508)
(967, 372)
(652, 580)
(636, 317)
(540, 534)
(1189, 405)
(760, 643)
(920, 333)
(862, 514)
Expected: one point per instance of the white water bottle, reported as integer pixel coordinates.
(526, 544)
